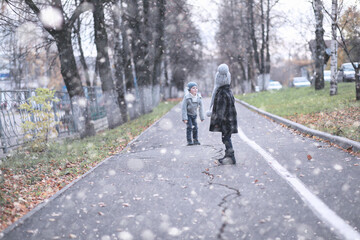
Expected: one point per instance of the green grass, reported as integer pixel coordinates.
(292, 101)
(338, 115)
(82, 152)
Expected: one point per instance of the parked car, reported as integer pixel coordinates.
(327, 75)
(274, 85)
(347, 72)
(300, 82)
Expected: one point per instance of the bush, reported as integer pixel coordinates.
(42, 125)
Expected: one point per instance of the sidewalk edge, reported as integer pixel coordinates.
(60, 192)
(341, 141)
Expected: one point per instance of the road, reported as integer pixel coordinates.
(284, 186)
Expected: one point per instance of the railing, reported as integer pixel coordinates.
(11, 117)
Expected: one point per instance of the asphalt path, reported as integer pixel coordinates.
(284, 186)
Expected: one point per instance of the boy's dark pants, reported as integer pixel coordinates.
(191, 127)
(226, 139)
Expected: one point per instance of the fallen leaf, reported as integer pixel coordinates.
(72, 235)
(309, 157)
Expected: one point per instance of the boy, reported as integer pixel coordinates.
(223, 114)
(191, 103)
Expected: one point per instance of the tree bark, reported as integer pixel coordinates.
(267, 59)
(252, 32)
(119, 66)
(320, 45)
(69, 69)
(357, 82)
(82, 57)
(158, 44)
(125, 51)
(140, 52)
(333, 80)
(107, 84)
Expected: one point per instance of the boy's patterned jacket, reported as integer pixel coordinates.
(190, 106)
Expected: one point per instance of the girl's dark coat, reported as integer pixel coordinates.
(223, 117)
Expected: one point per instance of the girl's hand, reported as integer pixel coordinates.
(185, 121)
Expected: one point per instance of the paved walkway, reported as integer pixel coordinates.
(159, 188)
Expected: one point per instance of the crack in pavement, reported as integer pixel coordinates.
(225, 218)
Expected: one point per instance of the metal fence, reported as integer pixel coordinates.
(12, 117)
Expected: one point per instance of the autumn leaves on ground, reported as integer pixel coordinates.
(341, 122)
(28, 178)
(338, 115)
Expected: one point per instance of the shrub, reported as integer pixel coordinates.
(41, 127)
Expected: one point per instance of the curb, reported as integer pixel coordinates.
(341, 141)
(61, 192)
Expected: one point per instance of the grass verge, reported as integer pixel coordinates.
(28, 178)
(338, 115)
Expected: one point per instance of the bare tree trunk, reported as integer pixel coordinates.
(355, 66)
(119, 66)
(250, 6)
(158, 44)
(166, 76)
(107, 84)
(357, 80)
(125, 50)
(267, 60)
(69, 70)
(320, 45)
(82, 57)
(141, 56)
(333, 80)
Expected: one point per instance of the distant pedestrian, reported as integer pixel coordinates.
(191, 104)
(223, 114)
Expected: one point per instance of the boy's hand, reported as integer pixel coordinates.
(185, 121)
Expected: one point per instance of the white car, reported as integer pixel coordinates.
(327, 75)
(300, 82)
(347, 72)
(274, 85)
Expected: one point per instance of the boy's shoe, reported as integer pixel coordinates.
(190, 143)
(196, 142)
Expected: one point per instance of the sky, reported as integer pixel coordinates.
(294, 34)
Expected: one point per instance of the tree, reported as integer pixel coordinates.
(81, 51)
(137, 17)
(350, 30)
(320, 45)
(333, 81)
(103, 62)
(244, 40)
(183, 43)
(158, 44)
(61, 32)
(121, 57)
